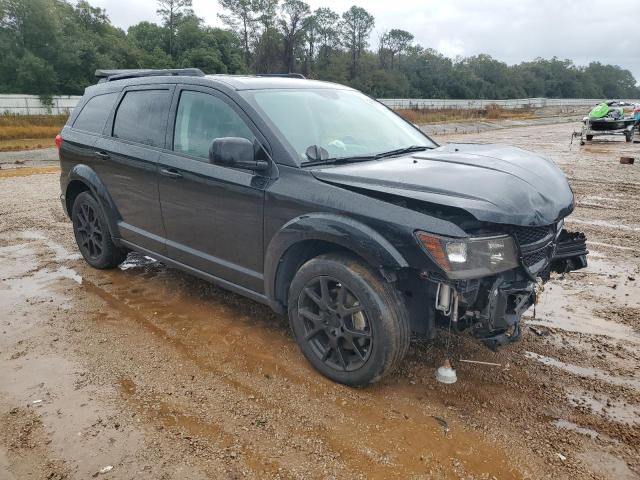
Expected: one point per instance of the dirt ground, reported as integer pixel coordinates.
(145, 372)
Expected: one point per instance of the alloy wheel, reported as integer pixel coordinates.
(90, 232)
(335, 324)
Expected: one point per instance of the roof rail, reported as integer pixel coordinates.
(111, 75)
(282, 75)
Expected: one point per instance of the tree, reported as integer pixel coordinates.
(310, 27)
(243, 16)
(55, 46)
(147, 36)
(292, 24)
(357, 24)
(267, 11)
(171, 12)
(268, 56)
(327, 22)
(394, 42)
(612, 81)
(35, 75)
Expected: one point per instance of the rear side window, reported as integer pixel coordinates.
(201, 118)
(142, 117)
(95, 112)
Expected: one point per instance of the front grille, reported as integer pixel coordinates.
(532, 258)
(529, 235)
(535, 247)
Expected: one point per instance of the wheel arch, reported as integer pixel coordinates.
(83, 178)
(308, 236)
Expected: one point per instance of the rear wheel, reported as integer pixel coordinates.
(350, 324)
(92, 234)
(589, 137)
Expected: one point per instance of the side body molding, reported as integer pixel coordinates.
(335, 229)
(90, 178)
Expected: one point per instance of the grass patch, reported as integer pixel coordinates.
(19, 127)
(26, 144)
(490, 112)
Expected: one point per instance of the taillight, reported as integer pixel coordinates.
(59, 141)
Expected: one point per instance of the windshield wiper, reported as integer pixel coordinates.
(400, 151)
(339, 160)
(365, 158)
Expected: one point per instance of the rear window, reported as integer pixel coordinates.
(95, 112)
(142, 117)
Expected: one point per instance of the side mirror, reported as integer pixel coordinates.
(236, 152)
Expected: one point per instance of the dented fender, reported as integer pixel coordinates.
(336, 229)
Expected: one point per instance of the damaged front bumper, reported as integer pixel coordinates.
(491, 308)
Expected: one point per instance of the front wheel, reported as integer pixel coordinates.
(92, 234)
(350, 324)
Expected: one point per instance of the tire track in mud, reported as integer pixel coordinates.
(381, 456)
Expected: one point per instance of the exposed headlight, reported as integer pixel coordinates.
(471, 257)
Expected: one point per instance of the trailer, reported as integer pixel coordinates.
(605, 120)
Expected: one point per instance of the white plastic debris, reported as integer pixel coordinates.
(561, 456)
(446, 374)
(36, 402)
(106, 469)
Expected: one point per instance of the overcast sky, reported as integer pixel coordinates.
(509, 30)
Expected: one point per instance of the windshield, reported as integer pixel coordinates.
(339, 123)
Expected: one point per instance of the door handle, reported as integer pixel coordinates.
(103, 155)
(170, 172)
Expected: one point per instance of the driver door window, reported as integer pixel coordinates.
(200, 119)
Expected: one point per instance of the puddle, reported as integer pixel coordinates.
(612, 409)
(567, 303)
(607, 465)
(60, 253)
(70, 273)
(32, 288)
(574, 427)
(586, 372)
(560, 307)
(42, 381)
(23, 279)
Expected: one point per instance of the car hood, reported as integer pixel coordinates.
(494, 183)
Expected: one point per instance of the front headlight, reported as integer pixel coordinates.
(470, 257)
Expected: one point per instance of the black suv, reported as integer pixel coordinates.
(318, 201)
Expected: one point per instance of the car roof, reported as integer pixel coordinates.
(257, 82)
(228, 82)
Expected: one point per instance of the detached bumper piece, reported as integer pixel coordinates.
(571, 252)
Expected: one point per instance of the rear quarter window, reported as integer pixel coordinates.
(93, 115)
(142, 117)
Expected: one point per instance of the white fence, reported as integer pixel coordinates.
(433, 104)
(31, 104)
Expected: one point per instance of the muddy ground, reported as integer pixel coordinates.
(145, 372)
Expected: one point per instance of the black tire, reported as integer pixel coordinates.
(362, 334)
(628, 136)
(92, 234)
(589, 137)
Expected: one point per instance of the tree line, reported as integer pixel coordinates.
(54, 46)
